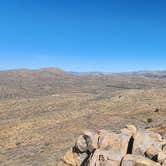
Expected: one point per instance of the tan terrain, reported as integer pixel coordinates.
(132, 146)
(43, 111)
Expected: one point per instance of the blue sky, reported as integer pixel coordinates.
(83, 35)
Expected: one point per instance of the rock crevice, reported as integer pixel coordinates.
(131, 147)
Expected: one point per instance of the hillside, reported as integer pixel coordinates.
(42, 111)
(30, 83)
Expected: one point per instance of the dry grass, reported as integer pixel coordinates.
(38, 130)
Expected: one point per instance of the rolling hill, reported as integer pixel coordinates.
(42, 111)
(30, 83)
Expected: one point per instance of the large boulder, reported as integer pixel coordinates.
(143, 140)
(104, 158)
(87, 142)
(133, 160)
(114, 142)
(131, 147)
(70, 159)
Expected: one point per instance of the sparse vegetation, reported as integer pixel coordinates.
(52, 107)
(149, 120)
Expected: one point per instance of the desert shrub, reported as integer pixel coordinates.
(149, 120)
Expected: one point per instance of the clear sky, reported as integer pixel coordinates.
(83, 35)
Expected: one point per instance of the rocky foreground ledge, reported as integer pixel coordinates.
(132, 147)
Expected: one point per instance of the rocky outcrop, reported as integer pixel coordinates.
(131, 147)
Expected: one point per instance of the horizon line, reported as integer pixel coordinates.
(86, 72)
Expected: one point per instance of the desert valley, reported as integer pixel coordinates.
(43, 111)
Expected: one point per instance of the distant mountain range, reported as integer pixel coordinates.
(107, 73)
(46, 81)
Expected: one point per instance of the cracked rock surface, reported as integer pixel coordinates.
(131, 147)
